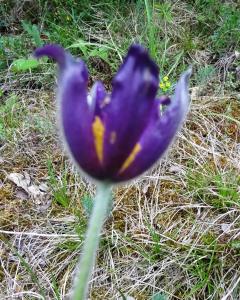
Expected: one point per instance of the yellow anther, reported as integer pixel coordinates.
(137, 148)
(98, 134)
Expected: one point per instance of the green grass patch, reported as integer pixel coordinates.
(59, 185)
(217, 189)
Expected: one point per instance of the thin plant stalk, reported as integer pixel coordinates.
(101, 206)
(150, 26)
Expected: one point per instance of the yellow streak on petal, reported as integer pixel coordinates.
(137, 148)
(98, 134)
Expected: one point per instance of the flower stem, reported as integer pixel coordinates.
(88, 257)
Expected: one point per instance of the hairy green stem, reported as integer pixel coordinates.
(88, 257)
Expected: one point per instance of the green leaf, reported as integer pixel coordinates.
(82, 45)
(235, 244)
(23, 64)
(99, 52)
(33, 32)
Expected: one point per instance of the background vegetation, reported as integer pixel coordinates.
(174, 233)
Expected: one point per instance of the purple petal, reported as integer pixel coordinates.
(160, 132)
(77, 119)
(53, 51)
(164, 100)
(96, 97)
(76, 114)
(62, 57)
(132, 100)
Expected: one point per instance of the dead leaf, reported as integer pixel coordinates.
(23, 181)
(21, 194)
(20, 180)
(145, 188)
(176, 169)
(225, 227)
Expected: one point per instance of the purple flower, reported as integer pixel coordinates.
(117, 136)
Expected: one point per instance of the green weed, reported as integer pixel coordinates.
(22, 64)
(33, 32)
(205, 74)
(11, 112)
(150, 28)
(215, 188)
(69, 245)
(43, 125)
(202, 268)
(156, 250)
(59, 186)
(56, 287)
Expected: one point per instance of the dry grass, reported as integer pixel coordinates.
(175, 230)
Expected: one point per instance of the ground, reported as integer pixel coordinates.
(173, 233)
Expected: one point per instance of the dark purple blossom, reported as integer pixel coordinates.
(117, 136)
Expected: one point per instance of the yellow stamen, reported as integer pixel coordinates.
(98, 134)
(137, 148)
